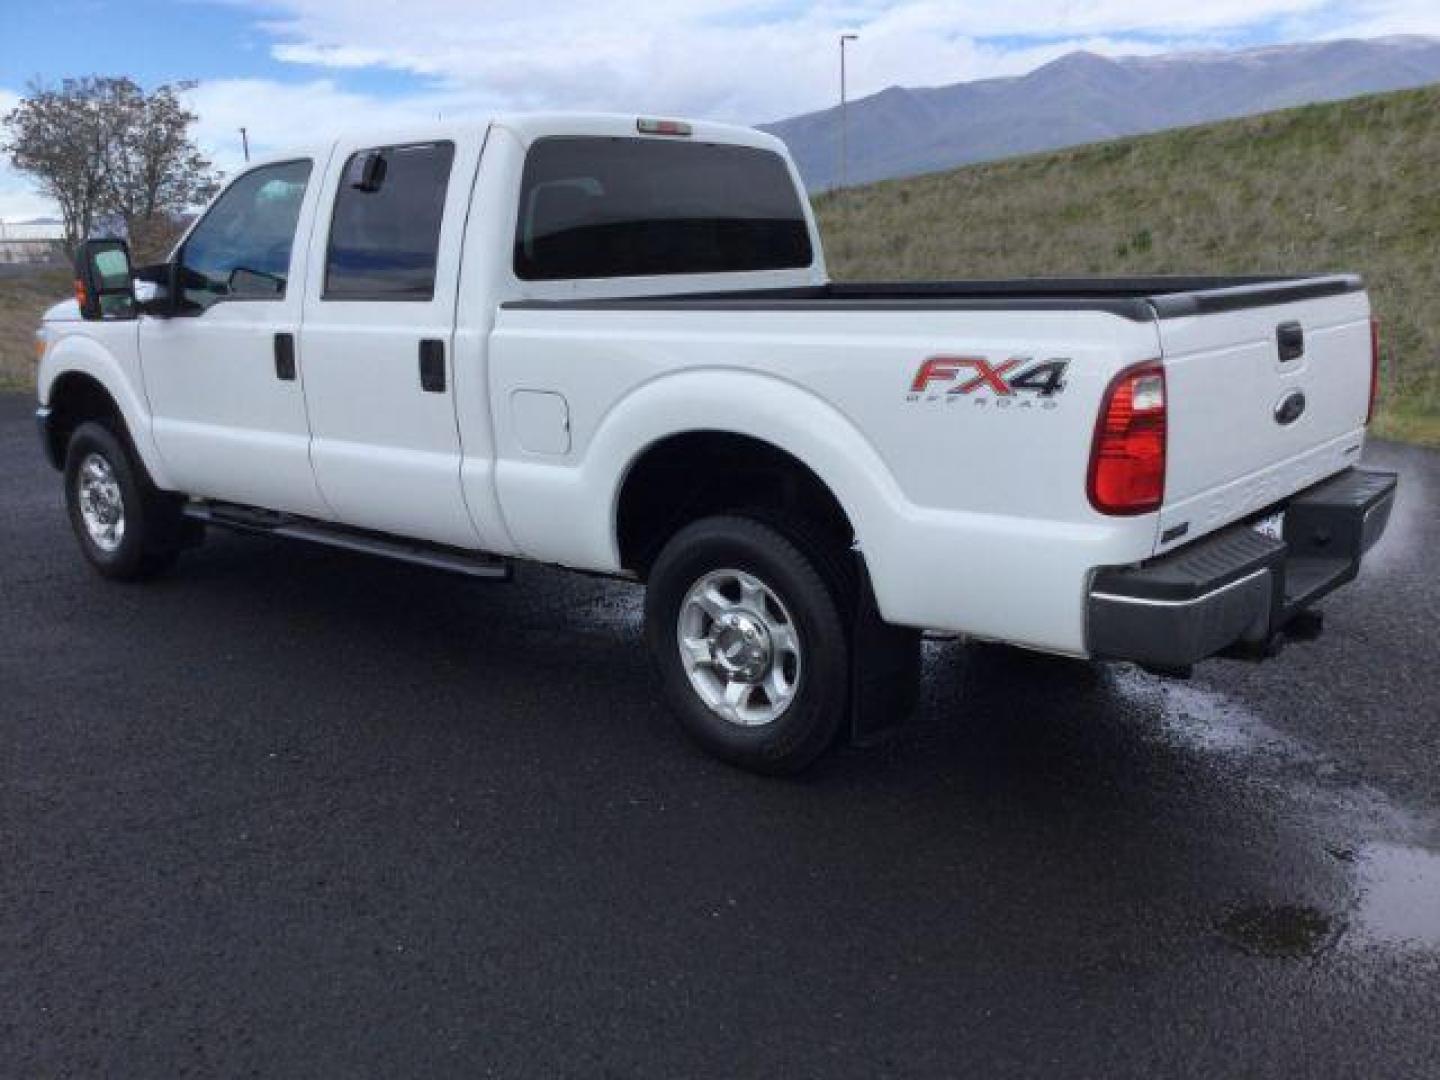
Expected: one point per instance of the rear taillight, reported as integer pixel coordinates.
(1374, 369)
(1127, 462)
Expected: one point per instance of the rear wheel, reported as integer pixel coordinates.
(127, 528)
(747, 631)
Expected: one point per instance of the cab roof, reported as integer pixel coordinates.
(527, 127)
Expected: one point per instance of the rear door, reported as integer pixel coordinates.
(1263, 401)
(377, 337)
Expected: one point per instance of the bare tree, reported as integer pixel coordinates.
(101, 145)
(153, 171)
(58, 137)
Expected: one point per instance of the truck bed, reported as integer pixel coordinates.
(838, 364)
(1139, 298)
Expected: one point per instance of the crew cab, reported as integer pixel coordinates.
(611, 344)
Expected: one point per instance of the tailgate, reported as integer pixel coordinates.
(1263, 401)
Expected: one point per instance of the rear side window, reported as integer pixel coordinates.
(628, 207)
(385, 233)
(240, 250)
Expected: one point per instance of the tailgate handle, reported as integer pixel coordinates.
(1290, 337)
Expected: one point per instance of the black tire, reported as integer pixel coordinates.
(153, 532)
(804, 583)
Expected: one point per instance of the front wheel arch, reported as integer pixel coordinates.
(74, 399)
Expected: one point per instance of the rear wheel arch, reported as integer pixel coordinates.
(686, 476)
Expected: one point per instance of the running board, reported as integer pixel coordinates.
(415, 552)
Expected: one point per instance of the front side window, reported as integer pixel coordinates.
(385, 235)
(630, 207)
(240, 250)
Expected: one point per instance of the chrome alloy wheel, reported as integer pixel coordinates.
(102, 507)
(739, 647)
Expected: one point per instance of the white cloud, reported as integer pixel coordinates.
(278, 115)
(1380, 18)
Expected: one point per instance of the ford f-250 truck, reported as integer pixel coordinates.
(611, 345)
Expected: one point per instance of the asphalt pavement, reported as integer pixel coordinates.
(291, 812)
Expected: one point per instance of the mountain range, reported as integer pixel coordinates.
(1083, 97)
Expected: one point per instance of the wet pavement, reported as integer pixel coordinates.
(290, 812)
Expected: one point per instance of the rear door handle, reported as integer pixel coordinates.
(285, 357)
(432, 366)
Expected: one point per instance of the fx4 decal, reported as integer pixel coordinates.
(1019, 381)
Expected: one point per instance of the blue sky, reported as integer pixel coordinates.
(154, 41)
(292, 70)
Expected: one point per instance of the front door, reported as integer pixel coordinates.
(378, 336)
(222, 374)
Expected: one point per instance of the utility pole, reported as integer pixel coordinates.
(844, 113)
(245, 142)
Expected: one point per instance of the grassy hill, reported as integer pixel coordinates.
(1353, 185)
(24, 296)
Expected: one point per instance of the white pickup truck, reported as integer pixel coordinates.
(612, 345)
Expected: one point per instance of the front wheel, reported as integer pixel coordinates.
(747, 631)
(127, 529)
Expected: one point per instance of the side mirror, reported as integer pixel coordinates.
(155, 289)
(104, 284)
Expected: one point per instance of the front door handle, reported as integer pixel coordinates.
(432, 366)
(285, 357)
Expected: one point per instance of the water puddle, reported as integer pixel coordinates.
(1284, 931)
(1398, 891)
(1319, 788)
(1389, 890)
(1397, 903)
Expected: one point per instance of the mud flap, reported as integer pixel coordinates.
(884, 672)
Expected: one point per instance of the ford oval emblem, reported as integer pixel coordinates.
(1290, 408)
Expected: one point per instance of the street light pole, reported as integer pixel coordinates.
(844, 113)
(245, 142)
